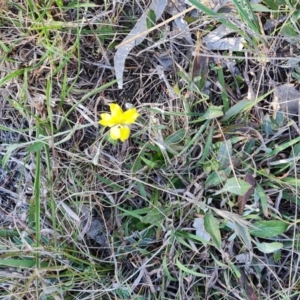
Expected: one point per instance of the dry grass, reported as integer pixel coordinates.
(82, 218)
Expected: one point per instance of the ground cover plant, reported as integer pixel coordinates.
(149, 149)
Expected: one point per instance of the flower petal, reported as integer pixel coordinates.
(129, 116)
(116, 111)
(124, 133)
(107, 120)
(115, 132)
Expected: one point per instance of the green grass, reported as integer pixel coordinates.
(200, 203)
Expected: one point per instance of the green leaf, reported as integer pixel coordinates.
(11, 76)
(291, 181)
(211, 225)
(284, 146)
(149, 163)
(6, 233)
(217, 177)
(59, 3)
(224, 95)
(277, 256)
(246, 14)
(151, 19)
(243, 105)
(4, 47)
(138, 161)
(268, 229)
(238, 108)
(235, 186)
(109, 183)
(166, 270)
(192, 237)
(288, 30)
(155, 215)
(273, 4)
(257, 7)
(263, 199)
(35, 147)
(20, 263)
(267, 125)
(269, 247)
(208, 143)
(234, 269)
(176, 137)
(189, 271)
(224, 154)
(243, 233)
(8, 153)
(212, 112)
(142, 191)
(296, 75)
(212, 13)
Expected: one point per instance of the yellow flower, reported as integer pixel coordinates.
(119, 121)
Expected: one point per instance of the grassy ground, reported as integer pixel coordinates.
(201, 202)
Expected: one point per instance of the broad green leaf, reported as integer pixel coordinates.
(4, 47)
(277, 256)
(267, 125)
(279, 119)
(217, 177)
(151, 164)
(212, 227)
(189, 271)
(151, 19)
(263, 199)
(176, 137)
(212, 112)
(142, 191)
(292, 181)
(238, 108)
(155, 215)
(59, 3)
(288, 30)
(35, 147)
(224, 154)
(200, 229)
(269, 247)
(243, 233)
(183, 242)
(235, 186)
(273, 4)
(257, 7)
(268, 229)
(296, 75)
